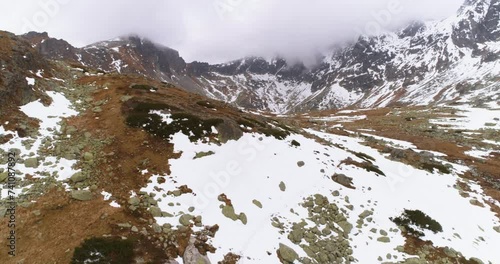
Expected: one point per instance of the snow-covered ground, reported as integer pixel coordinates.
(472, 118)
(49, 117)
(253, 167)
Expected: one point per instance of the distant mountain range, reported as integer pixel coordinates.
(425, 63)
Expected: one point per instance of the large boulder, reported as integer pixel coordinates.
(287, 254)
(78, 177)
(31, 163)
(82, 195)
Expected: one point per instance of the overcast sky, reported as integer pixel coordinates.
(221, 30)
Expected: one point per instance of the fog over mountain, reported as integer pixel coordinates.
(221, 30)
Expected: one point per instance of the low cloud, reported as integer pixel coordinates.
(222, 30)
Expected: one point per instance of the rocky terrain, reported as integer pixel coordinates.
(125, 153)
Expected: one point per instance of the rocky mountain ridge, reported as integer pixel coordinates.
(424, 63)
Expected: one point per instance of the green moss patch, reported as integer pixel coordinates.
(144, 87)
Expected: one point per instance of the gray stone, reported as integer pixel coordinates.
(282, 186)
(31, 163)
(287, 253)
(157, 228)
(155, 211)
(228, 211)
(134, 229)
(497, 228)
(243, 218)
(185, 220)
(346, 226)
(82, 195)
(257, 203)
(87, 156)
(365, 214)
(78, 177)
(476, 260)
(135, 201)
(301, 164)
(4, 176)
(384, 239)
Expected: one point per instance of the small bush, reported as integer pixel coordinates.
(200, 155)
(206, 104)
(144, 87)
(440, 167)
(364, 156)
(295, 143)
(190, 125)
(276, 133)
(105, 251)
(412, 220)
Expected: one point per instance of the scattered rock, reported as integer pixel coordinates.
(301, 164)
(4, 176)
(185, 220)
(228, 211)
(82, 195)
(282, 186)
(31, 163)
(497, 228)
(78, 177)
(243, 218)
(384, 239)
(135, 201)
(134, 229)
(257, 203)
(157, 228)
(287, 253)
(155, 211)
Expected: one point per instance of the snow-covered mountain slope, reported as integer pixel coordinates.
(424, 63)
(109, 162)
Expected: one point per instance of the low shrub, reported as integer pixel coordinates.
(415, 221)
(105, 251)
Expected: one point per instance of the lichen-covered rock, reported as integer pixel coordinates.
(282, 186)
(82, 195)
(78, 177)
(287, 253)
(228, 211)
(185, 220)
(257, 203)
(31, 163)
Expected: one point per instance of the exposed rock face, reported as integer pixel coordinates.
(18, 60)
